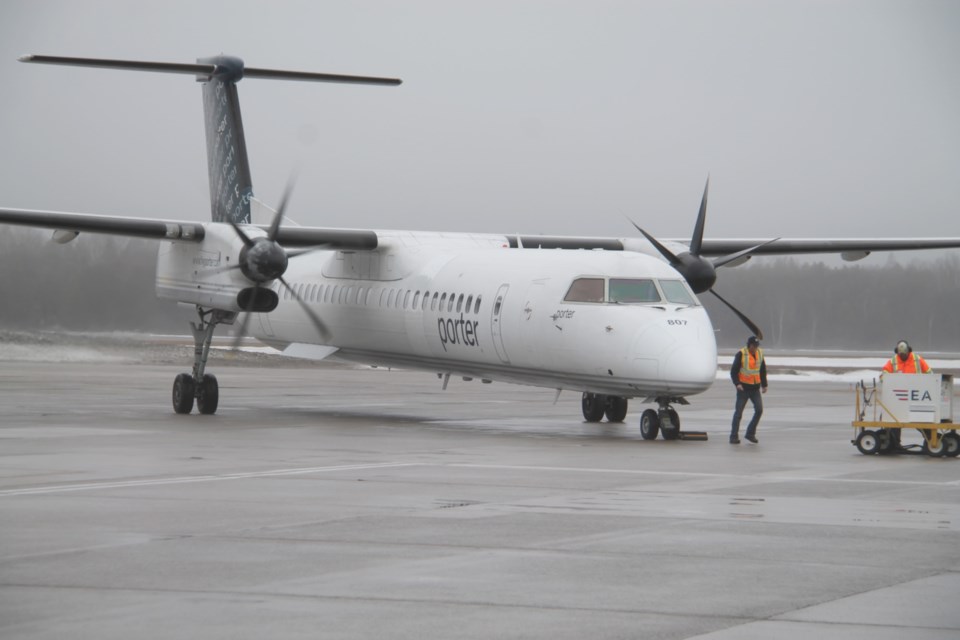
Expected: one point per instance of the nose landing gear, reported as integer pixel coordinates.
(665, 421)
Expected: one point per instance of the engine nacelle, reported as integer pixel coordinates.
(207, 273)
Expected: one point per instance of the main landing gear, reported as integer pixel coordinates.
(200, 386)
(597, 405)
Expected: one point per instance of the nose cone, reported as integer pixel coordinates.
(690, 368)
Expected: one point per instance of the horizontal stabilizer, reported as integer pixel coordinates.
(206, 70)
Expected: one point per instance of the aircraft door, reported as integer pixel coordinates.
(496, 320)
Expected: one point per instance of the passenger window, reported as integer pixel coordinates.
(459, 302)
(392, 297)
(406, 299)
(586, 290)
(469, 304)
(675, 291)
(476, 307)
(426, 299)
(433, 302)
(443, 301)
(416, 300)
(333, 296)
(450, 302)
(629, 290)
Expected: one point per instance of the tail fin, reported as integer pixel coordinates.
(230, 185)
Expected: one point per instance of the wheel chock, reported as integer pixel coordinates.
(693, 435)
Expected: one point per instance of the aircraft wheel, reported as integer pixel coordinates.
(936, 452)
(868, 442)
(951, 442)
(592, 406)
(208, 395)
(669, 424)
(183, 390)
(616, 408)
(649, 425)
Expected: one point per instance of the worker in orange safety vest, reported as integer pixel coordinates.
(749, 375)
(904, 360)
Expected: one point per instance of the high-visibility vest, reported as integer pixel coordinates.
(750, 374)
(895, 365)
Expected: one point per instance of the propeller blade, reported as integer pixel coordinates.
(216, 270)
(240, 232)
(317, 322)
(666, 253)
(747, 321)
(275, 225)
(241, 332)
(296, 253)
(696, 241)
(719, 262)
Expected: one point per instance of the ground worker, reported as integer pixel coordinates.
(749, 375)
(904, 360)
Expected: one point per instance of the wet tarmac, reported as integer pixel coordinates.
(325, 501)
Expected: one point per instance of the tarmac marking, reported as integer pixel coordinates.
(93, 486)
(120, 484)
(698, 474)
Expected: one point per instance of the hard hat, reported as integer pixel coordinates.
(752, 340)
(903, 348)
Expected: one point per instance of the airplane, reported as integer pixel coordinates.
(610, 318)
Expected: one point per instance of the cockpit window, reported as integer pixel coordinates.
(585, 290)
(676, 292)
(627, 290)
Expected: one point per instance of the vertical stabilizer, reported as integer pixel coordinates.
(230, 185)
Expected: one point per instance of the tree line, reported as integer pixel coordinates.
(106, 283)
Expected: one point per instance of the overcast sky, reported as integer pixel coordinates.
(820, 118)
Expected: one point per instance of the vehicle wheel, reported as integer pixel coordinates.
(592, 406)
(183, 390)
(208, 395)
(868, 442)
(649, 425)
(669, 424)
(616, 408)
(951, 442)
(936, 452)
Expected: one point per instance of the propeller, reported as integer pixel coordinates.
(263, 260)
(699, 272)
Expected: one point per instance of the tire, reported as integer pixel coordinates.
(935, 452)
(184, 388)
(615, 409)
(208, 395)
(592, 406)
(669, 424)
(951, 443)
(649, 425)
(868, 442)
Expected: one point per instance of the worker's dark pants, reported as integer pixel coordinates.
(750, 392)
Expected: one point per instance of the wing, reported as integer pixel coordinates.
(850, 247)
(183, 230)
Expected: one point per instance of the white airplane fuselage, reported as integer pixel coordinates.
(469, 306)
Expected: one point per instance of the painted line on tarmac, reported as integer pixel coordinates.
(123, 484)
(696, 474)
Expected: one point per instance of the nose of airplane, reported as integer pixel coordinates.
(690, 368)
